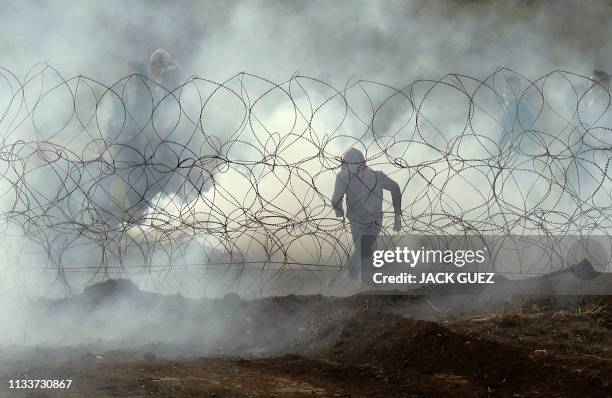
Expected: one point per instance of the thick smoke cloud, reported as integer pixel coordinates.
(393, 42)
(389, 41)
(340, 42)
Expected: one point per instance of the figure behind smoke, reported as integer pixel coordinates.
(152, 155)
(177, 144)
(363, 188)
(591, 141)
(597, 99)
(129, 140)
(165, 70)
(518, 120)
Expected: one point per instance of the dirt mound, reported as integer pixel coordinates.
(400, 345)
(365, 345)
(109, 288)
(107, 293)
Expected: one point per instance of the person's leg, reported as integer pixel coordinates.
(364, 238)
(368, 240)
(355, 259)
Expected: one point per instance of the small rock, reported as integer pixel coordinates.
(559, 315)
(232, 300)
(149, 356)
(540, 353)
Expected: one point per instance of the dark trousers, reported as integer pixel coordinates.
(364, 235)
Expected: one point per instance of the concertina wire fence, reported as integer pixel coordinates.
(137, 177)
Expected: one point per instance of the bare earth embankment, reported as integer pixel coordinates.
(316, 346)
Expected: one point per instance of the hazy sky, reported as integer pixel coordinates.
(379, 40)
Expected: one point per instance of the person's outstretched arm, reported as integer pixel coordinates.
(339, 190)
(396, 197)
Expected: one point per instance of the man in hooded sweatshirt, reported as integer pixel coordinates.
(363, 188)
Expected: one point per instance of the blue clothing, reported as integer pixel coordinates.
(518, 123)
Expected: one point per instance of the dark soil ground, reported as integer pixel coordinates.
(316, 346)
